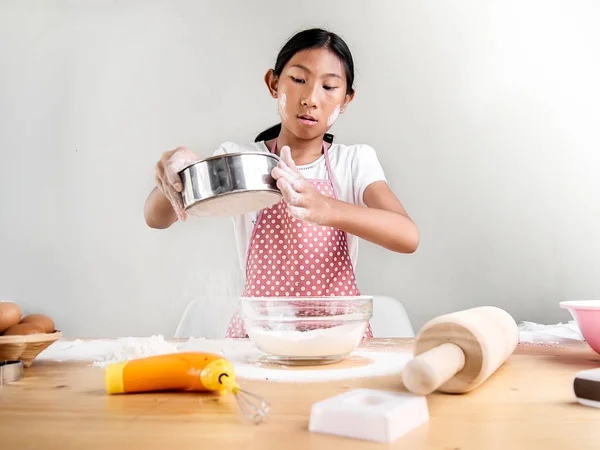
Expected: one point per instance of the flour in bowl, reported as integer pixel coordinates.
(334, 341)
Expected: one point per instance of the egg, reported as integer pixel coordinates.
(44, 322)
(10, 314)
(23, 328)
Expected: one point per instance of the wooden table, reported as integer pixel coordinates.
(527, 404)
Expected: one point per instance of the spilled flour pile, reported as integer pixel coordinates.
(102, 352)
(134, 348)
(536, 333)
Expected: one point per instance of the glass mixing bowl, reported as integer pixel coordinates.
(306, 330)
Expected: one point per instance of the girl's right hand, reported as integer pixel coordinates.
(168, 179)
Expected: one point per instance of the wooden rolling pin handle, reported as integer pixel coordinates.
(428, 371)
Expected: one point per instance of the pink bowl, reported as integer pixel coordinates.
(587, 315)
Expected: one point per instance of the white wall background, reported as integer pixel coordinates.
(486, 116)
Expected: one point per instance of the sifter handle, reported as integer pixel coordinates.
(428, 371)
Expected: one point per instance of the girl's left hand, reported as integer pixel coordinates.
(304, 201)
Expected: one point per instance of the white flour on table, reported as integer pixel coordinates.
(536, 333)
(106, 351)
(245, 356)
(377, 363)
(134, 348)
(242, 353)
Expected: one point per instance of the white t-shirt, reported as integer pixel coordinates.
(354, 167)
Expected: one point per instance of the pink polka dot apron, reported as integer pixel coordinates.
(288, 257)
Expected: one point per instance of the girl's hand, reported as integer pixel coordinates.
(168, 179)
(304, 201)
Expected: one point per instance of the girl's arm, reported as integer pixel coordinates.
(164, 206)
(158, 211)
(383, 222)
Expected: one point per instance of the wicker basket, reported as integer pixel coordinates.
(26, 348)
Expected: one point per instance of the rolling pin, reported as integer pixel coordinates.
(455, 353)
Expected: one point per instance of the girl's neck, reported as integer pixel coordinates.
(304, 151)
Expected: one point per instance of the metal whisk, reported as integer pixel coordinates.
(252, 406)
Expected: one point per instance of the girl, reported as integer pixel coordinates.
(333, 194)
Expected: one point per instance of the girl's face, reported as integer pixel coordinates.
(311, 92)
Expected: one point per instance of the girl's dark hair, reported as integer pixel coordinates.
(309, 39)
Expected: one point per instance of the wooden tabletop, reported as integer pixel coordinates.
(527, 404)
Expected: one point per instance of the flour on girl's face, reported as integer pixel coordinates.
(282, 106)
(334, 115)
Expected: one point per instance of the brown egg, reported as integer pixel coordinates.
(10, 314)
(44, 322)
(23, 328)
